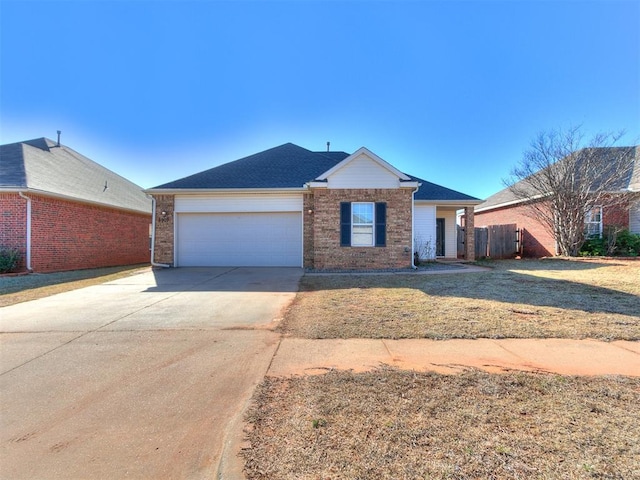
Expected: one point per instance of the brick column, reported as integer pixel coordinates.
(164, 229)
(469, 235)
(308, 216)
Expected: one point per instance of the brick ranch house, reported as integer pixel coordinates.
(505, 208)
(62, 211)
(289, 206)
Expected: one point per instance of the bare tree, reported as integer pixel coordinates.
(560, 179)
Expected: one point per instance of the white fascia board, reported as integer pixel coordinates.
(200, 191)
(370, 154)
(410, 184)
(318, 184)
(70, 198)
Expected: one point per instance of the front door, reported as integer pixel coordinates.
(439, 237)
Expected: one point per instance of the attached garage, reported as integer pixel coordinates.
(234, 231)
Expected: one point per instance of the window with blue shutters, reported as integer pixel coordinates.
(363, 224)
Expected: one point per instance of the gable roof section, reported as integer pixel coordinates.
(286, 166)
(631, 182)
(291, 166)
(364, 151)
(41, 166)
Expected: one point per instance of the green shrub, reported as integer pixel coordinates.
(614, 242)
(593, 247)
(628, 244)
(8, 259)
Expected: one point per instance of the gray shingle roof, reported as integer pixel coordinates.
(630, 182)
(40, 165)
(287, 166)
(432, 191)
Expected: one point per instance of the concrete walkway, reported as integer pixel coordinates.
(297, 356)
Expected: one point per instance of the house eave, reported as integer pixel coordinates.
(363, 150)
(71, 198)
(200, 191)
(324, 184)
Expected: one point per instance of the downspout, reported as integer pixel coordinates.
(28, 246)
(153, 235)
(413, 223)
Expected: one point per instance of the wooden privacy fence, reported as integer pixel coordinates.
(495, 241)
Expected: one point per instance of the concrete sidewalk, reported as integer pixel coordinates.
(297, 356)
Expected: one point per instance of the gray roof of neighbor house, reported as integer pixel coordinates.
(43, 166)
(287, 166)
(630, 182)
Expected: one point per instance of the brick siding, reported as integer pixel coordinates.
(163, 252)
(537, 241)
(326, 252)
(67, 235)
(13, 233)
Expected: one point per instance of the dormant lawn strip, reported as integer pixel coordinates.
(390, 424)
(516, 299)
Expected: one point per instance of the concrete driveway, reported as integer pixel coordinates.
(143, 377)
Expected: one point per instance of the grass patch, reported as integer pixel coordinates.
(23, 288)
(515, 299)
(390, 424)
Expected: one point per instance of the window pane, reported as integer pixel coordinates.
(362, 213)
(362, 235)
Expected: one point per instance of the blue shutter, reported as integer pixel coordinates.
(345, 224)
(381, 224)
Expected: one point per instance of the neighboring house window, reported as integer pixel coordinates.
(593, 222)
(363, 224)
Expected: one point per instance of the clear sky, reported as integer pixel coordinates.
(450, 91)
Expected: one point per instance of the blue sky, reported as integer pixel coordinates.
(451, 91)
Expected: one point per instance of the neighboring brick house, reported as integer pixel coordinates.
(288, 206)
(62, 211)
(505, 207)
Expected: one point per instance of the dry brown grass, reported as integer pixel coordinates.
(23, 288)
(516, 299)
(390, 424)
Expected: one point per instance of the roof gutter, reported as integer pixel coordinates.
(28, 228)
(153, 236)
(196, 191)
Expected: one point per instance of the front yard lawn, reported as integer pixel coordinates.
(395, 424)
(390, 424)
(517, 299)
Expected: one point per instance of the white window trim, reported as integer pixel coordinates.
(372, 224)
(588, 220)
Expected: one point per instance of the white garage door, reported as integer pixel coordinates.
(239, 239)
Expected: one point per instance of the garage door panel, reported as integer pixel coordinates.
(239, 239)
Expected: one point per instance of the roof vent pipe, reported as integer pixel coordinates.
(59, 132)
(328, 145)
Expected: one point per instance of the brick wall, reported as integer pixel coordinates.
(67, 235)
(616, 215)
(13, 233)
(164, 229)
(326, 251)
(536, 241)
